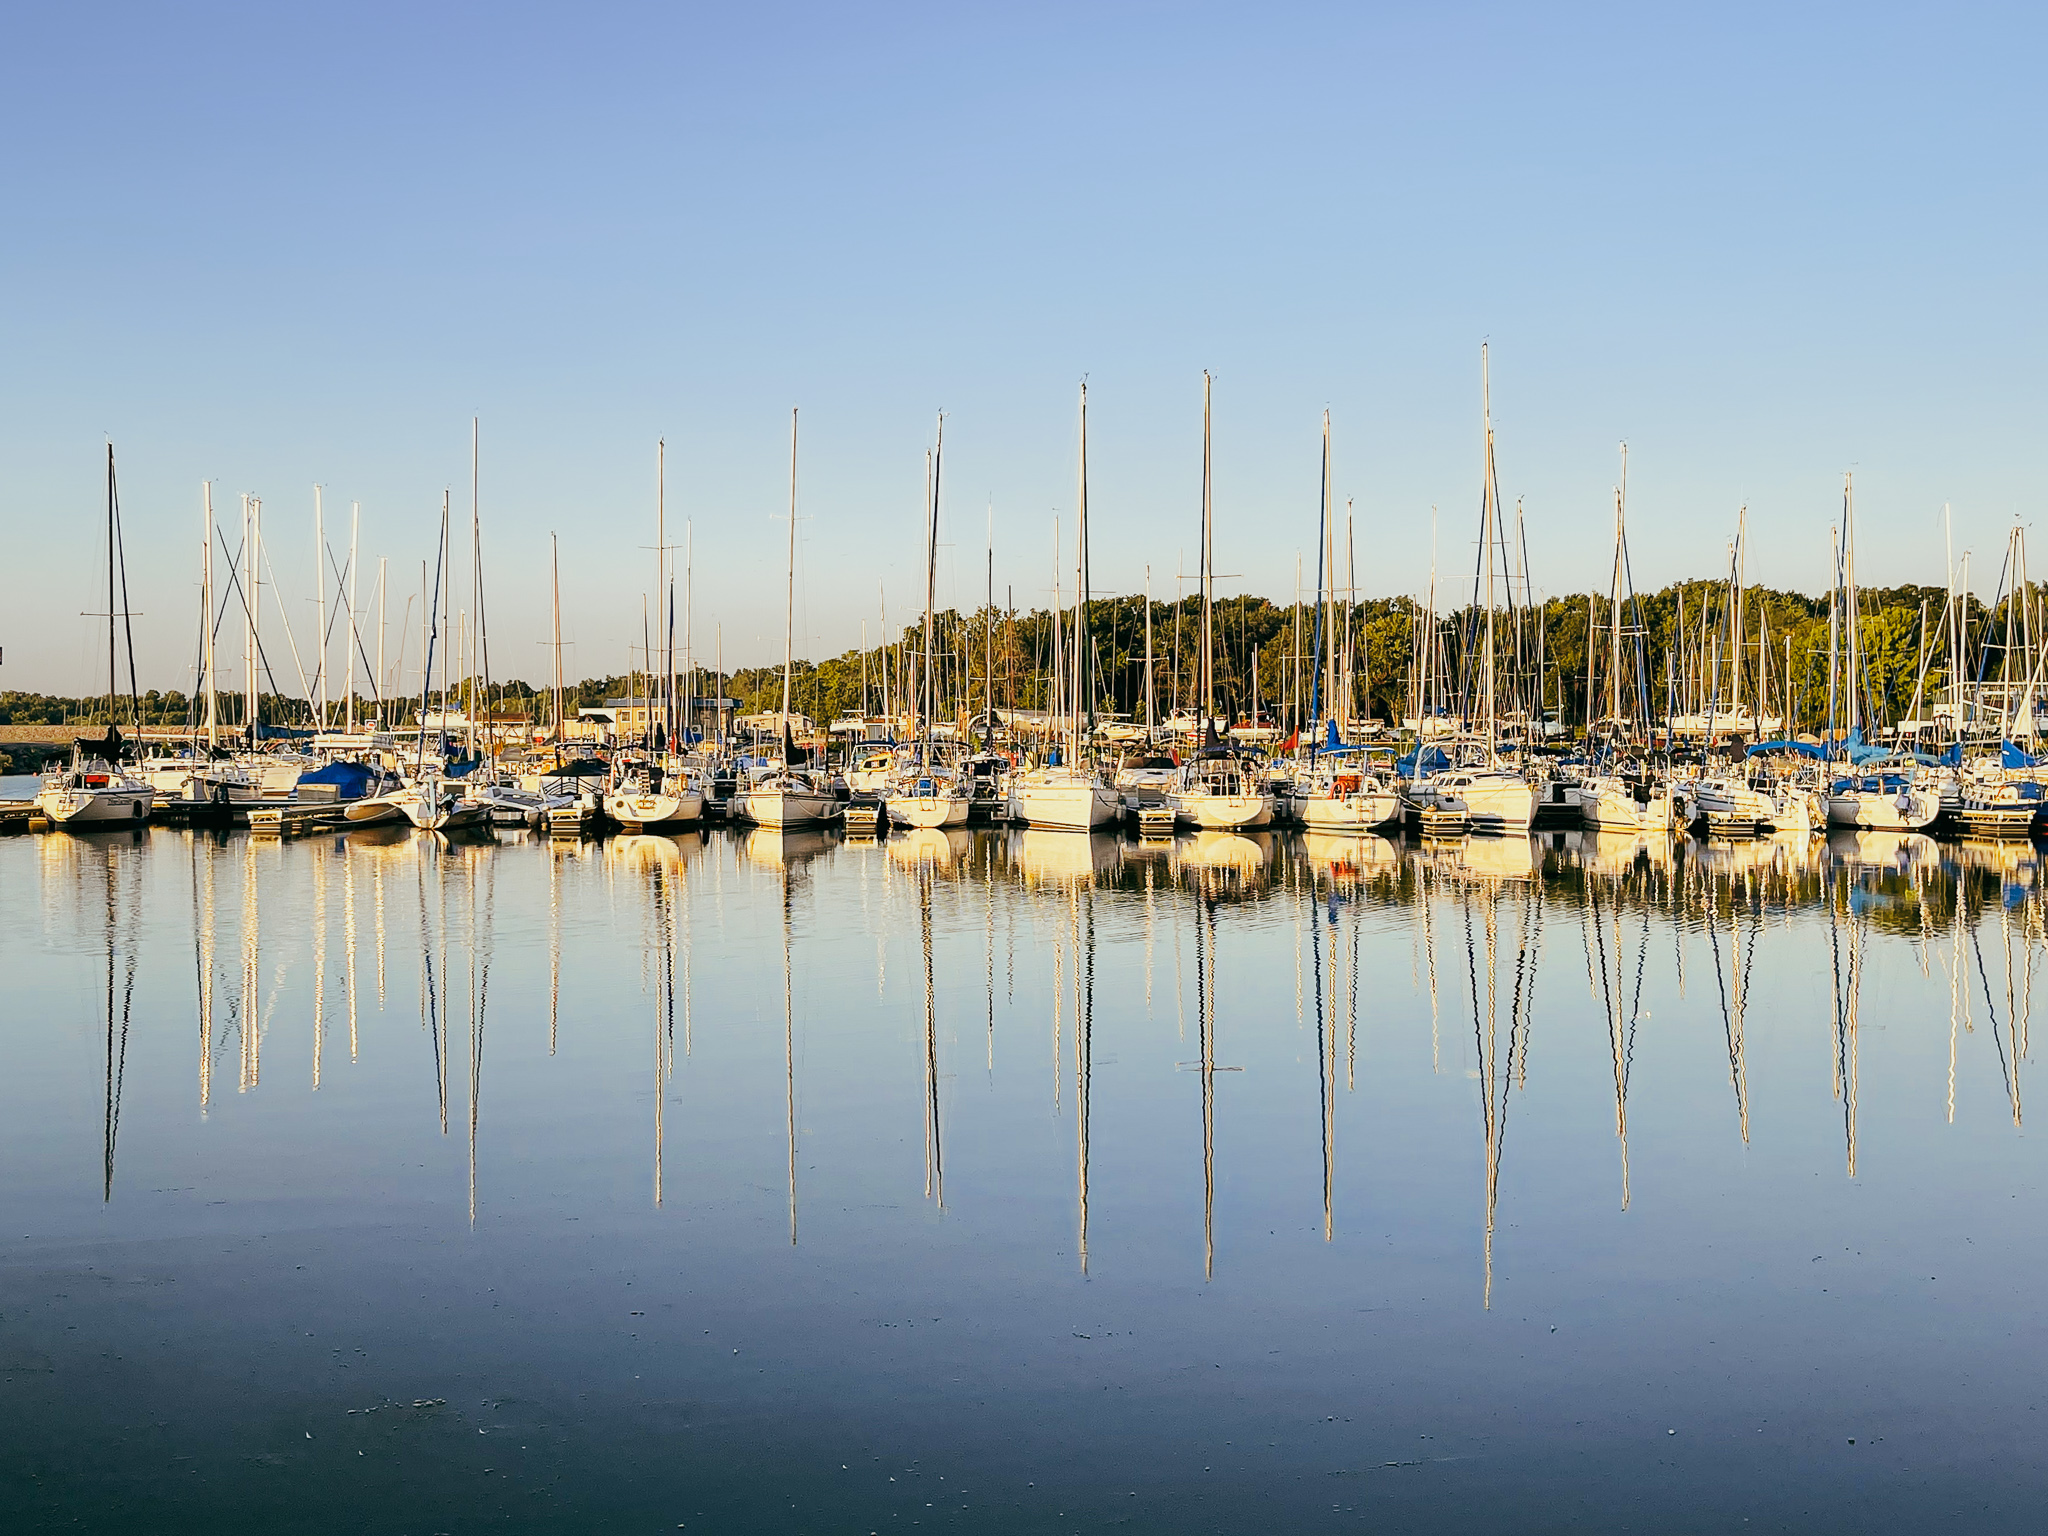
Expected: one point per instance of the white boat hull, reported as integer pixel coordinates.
(1072, 805)
(927, 811)
(369, 812)
(787, 807)
(90, 807)
(1221, 813)
(1488, 802)
(1734, 807)
(441, 814)
(1906, 810)
(1612, 806)
(653, 810)
(1359, 812)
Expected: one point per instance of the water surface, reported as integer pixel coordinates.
(1017, 1181)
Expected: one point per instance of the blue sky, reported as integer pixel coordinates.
(275, 246)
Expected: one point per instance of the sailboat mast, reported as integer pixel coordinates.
(789, 612)
(252, 611)
(1487, 511)
(1852, 648)
(555, 572)
(1834, 627)
(1323, 684)
(988, 631)
(931, 582)
(661, 590)
(349, 640)
(447, 598)
(1149, 706)
(206, 618)
(689, 631)
(383, 622)
(112, 687)
(1207, 576)
(320, 605)
(1080, 579)
(1347, 694)
(1614, 599)
(1614, 621)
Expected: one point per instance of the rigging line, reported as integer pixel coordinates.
(235, 588)
(340, 580)
(429, 997)
(1728, 1032)
(1997, 1039)
(1636, 1002)
(127, 615)
(1323, 1044)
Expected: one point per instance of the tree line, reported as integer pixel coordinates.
(1676, 644)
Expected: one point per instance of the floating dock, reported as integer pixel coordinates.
(291, 820)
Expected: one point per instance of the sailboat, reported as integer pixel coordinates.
(1071, 794)
(1339, 791)
(926, 791)
(95, 791)
(791, 796)
(1876, 794)
(1220, 787)
(1621, 794)
(430, 800)
(657, 790)
(1474, 784)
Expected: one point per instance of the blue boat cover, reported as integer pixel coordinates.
(351, 781)
(1434, 760)
(1805, 747)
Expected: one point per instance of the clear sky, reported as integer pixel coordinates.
(280, 245)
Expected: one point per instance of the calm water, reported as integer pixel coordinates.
(1017, 1182)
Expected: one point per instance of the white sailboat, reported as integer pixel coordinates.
(431, 800)
(927, 791)
(1475, 784)
(1338, 790)
(1220, 788)
(791, 796)
(1622, 794)
(1070, 795)
(95, 791)
(1886, 795)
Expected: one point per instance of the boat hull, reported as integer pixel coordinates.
(787, 807)
(1359, 812)
(654, 810)
(1075, 806)
(1222, 813)
(1613, 807)
(928, 811)
(104, 809)
(1884, 810)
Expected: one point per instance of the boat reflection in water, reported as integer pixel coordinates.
(308, 936)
